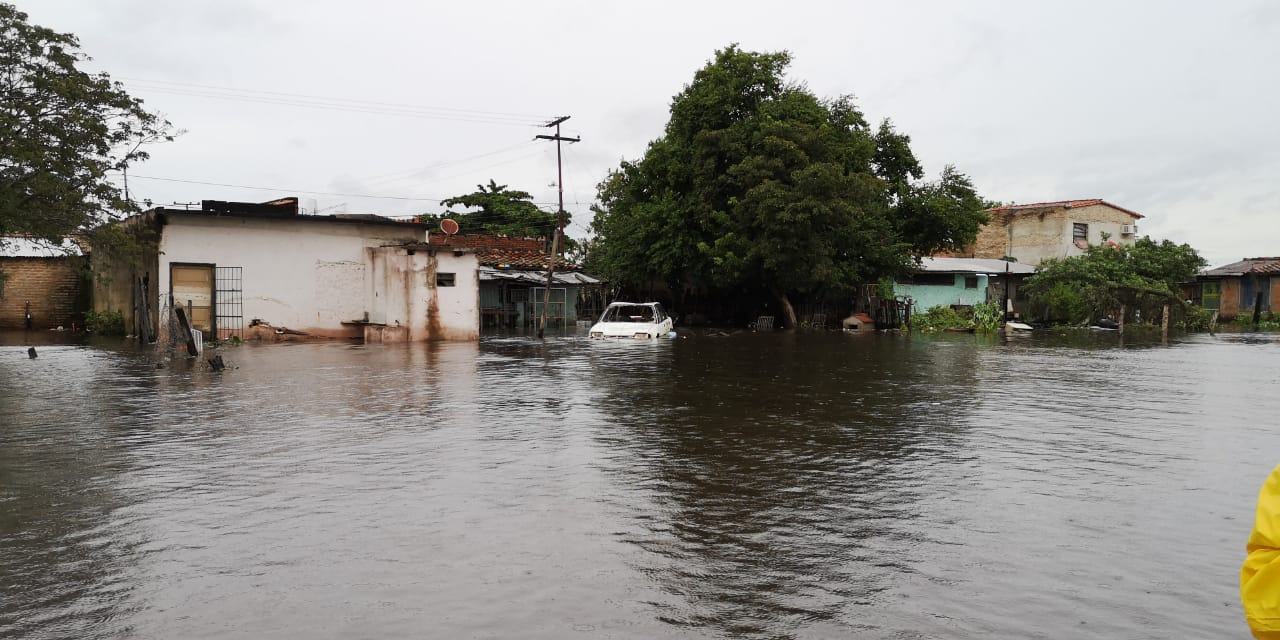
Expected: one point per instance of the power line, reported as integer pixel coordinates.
(412, 172)
(339, 104)
(352, 108)
(332, 99)
(518, 158)
(306, 191)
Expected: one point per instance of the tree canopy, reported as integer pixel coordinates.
(62, 132)
(496, 209)
(1085, 287)
(757, 182)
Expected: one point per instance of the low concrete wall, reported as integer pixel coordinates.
(383, 334)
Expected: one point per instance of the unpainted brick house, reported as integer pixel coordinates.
(43, 280)
(1035, 232)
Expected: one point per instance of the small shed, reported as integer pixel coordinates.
(42, 279)
(963, 282)
(1235, 288)
(513, 281)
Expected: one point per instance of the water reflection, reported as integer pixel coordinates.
(68, 540)
(782, 478)
(804, 485)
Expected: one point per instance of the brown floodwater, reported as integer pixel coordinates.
(748, 486)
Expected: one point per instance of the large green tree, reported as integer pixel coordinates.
(757, 182)
(63, 133)
(1146, 274)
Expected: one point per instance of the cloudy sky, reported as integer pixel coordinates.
(1168, 108)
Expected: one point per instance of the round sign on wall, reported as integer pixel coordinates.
(448, 226)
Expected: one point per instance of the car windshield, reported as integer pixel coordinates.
(629, 313)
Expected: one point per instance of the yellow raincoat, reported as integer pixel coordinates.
(1260, 576)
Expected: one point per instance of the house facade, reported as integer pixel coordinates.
(264, 270)
(513, 282)
(1236, 288)
(1032, 233)
(45, 281)
(963, 282)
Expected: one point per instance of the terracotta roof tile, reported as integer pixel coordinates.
(502, 252)
(509, 259)
(1070, 204)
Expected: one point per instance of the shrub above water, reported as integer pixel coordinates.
(940, 318)
(104, 323)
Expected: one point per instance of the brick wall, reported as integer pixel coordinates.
(993, 237)
(51, 285)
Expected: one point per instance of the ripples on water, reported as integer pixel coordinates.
(749, 486)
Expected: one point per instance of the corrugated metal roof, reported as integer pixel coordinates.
(536, 277)
(23, 247)
(1070, 204)
(1248, 265)
(973, 265)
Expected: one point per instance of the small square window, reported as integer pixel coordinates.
(444, 280)
(971, 282)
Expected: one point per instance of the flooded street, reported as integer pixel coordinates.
(752, 486)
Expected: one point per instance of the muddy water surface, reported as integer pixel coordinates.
(753, 486)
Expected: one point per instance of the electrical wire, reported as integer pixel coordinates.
(331, 99)
(341, 104)
(400, 175)
(306, 191)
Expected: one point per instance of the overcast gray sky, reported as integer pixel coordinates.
(1167, 108)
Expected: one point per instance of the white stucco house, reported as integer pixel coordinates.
(264, 269)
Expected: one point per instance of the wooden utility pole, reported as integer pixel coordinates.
(557, 242)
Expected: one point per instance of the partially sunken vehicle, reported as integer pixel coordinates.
(644, 320)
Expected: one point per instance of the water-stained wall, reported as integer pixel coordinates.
(302, 274)
(432, 293)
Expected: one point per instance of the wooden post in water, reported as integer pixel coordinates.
(1123, 308)
(1164, 324)
(186, 331)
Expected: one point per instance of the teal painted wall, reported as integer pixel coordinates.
(929, 296)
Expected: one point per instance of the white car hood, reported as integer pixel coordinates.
(625, 329)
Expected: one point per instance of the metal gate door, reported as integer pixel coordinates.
(229, 299)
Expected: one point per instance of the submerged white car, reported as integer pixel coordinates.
(632, 320)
